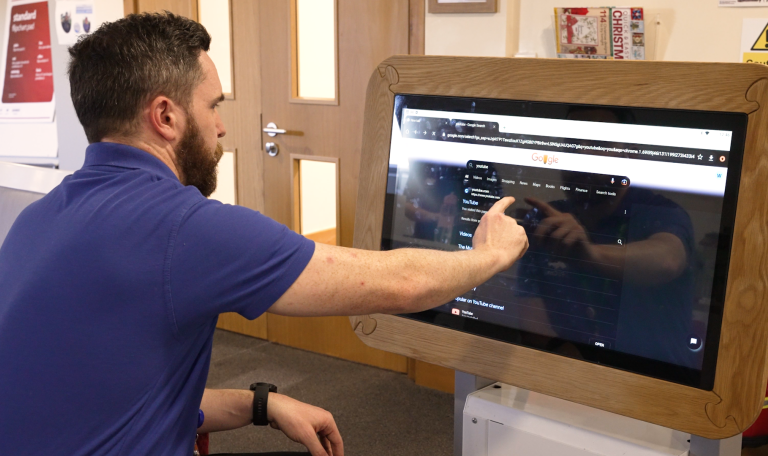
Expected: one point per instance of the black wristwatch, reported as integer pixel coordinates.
(260, 395)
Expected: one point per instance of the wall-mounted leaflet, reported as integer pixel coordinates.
(27, 84)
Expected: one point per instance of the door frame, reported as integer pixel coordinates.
(416, 26)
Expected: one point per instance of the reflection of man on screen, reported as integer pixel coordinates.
(431, 200)
(647, 279)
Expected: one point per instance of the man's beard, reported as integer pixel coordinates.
(197, 165)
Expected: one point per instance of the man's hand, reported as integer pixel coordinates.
(308, 425)
(500, 234)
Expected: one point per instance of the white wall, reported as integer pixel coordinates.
(72, 141)
(690, 30)
(480, 34)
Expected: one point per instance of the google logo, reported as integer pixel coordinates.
(546, 159)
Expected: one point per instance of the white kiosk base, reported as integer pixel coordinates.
(502, 420)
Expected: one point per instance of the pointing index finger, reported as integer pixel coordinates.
(501, 205)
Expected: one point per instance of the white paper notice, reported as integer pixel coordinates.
(74, 19)
(743, 2)
(26, 68)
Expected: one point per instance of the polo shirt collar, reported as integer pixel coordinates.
(125, 156)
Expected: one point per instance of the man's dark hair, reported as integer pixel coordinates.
(118, 68)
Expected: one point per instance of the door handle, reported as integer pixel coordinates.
(272, 130)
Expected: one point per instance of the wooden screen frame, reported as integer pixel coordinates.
(738, 393)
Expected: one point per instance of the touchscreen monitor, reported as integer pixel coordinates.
(629, 214)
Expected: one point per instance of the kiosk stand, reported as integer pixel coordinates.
(502, 420)
(655, 328)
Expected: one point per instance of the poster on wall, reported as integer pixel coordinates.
(754, 41)
(600, 33)
(628, 33)
(583, 32)
(74, 19)
(743, 2)
(27, 84)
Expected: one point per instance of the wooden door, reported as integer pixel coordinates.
(367, 32)
(241, 115)
(240, 112)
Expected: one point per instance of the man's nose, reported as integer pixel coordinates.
(220, 129)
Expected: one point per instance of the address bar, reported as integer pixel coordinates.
(689, 138)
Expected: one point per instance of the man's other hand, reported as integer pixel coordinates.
(501, 235)
(306, 424)
(561, 228)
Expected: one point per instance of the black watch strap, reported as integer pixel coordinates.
(260, 396)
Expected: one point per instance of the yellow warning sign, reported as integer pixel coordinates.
(755, 57)
(762, 41)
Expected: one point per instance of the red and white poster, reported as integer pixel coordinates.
(27, 89)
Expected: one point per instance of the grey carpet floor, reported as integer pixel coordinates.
(378, 412)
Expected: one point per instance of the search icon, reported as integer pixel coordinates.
(620, 242)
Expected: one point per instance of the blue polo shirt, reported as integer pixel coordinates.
(110, 288)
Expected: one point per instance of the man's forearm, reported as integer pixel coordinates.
(430, 278)
(344, 281)
(358, 282)
(226, 409)
(311, 426)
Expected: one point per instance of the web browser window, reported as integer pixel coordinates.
(629, 214)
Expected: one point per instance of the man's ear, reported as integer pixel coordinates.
(166, 118)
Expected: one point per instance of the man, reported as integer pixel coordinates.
(112, 283)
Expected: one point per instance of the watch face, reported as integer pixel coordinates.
(272, 388)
